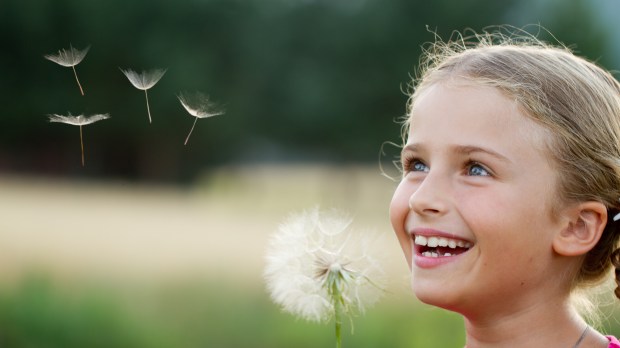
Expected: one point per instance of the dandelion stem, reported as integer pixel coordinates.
(338, 328)
(190, 131)
(147, 105)
(76, 79)
(337, 298)
(334, 283)
(82, 145)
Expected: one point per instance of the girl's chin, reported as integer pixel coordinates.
(438, 296)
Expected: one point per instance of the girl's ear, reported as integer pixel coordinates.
(585, 225)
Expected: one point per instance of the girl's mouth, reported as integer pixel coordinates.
(434, 246)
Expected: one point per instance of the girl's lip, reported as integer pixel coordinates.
(430, 262)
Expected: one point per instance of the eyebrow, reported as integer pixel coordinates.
(461, 149)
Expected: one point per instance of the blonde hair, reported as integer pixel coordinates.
(576, 101)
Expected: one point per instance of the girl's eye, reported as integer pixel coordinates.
(416, 165)
(476, 169)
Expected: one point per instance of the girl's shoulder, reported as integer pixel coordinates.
(613, 342)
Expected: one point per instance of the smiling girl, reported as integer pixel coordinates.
(511, 181)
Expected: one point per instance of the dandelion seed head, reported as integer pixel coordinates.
(199, 105)
(146, 79)
(335, 267)
(79, 120)
(303, 252)
(68, 58)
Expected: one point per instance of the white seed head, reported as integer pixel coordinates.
(198, 105)
(305, 249)
(68, 58)
(146, 79)
(79, 120)
(335, 267)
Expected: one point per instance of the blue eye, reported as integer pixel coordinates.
(475, 169)
(418, 166)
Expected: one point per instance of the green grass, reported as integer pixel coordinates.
(38, 313)
(42, 313)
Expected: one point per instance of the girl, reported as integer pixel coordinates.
(511, 183)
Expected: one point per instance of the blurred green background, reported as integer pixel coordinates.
(156, 244)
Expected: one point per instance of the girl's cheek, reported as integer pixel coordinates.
(399, 206)
(397, 200)
(399, 210)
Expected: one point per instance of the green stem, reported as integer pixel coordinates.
(338, 328)
(336, 298)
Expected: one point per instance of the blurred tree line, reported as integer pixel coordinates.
(300, 80)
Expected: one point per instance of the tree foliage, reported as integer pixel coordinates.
(299, 79)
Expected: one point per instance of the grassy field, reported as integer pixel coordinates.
(115, 264)
(216, 228)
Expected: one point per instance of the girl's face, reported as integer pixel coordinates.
(473, 210)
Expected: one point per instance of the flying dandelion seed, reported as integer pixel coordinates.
(79, 120)
(145, 81)
(318, 268)
(69, 58)
(199, 106)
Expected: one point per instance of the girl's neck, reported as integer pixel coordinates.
(551, 324)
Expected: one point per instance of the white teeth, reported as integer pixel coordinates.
(420, 240)
(433, 242)
(434, 254)
(462, 244)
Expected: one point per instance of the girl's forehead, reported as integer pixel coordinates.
(451, 101)
(462, 111)
(445, 90)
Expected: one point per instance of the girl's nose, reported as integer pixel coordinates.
(429, 198)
